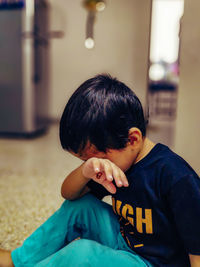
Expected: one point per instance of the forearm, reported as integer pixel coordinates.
(74, 184)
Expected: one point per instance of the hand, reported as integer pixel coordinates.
(104, 171)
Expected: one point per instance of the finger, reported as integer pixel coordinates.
(98, 175)
(108, 170)
(96, 166)
(124, 179)
(109, 187)
(117, 176)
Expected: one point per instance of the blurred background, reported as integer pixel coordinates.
(48, 48)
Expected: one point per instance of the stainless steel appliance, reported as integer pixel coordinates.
(24, 90)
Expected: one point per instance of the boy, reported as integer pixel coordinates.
(155, 193)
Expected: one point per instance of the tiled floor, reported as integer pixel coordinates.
(31, 173)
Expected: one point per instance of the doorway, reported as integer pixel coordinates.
(163, 73)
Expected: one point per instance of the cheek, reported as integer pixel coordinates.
(124, 162)
(121, 162)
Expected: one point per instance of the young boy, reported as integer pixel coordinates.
(155, 215)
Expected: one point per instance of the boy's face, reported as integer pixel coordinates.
(123, 158)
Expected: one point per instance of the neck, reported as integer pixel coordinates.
(146, 147)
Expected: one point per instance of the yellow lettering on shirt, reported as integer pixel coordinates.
(147, 220)
(113, 204)
(126, 211)
(118, 206)
(134, 216)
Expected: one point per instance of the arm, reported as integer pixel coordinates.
(74, 185)
(194, 260)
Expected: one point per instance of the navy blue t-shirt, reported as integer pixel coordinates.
(159, 213)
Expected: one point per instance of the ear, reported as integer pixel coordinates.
(134, 137)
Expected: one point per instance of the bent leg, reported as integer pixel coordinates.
(87, 218)
(88, 253)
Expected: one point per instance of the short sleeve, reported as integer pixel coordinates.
(97, 190)
(184, 200)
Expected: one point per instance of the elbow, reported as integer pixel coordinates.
(67, 195)
(64, 193)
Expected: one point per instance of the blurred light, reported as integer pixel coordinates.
(100, 6)
(156, 72)
(165, 30)
(29, 8)
(89, 43)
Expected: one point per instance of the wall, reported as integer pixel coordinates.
(187, 136)
(122, 40)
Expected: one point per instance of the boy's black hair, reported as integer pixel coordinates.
(101, 111)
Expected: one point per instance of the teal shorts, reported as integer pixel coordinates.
(83, 232)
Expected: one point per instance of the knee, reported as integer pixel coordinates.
(87, 201)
